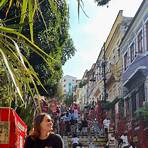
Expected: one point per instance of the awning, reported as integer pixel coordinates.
(109, 105)
(115, 101)
(141, 71)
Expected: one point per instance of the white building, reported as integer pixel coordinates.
(68, 83)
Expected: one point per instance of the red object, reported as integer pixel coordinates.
(140, 133)
(12, 129)
(99, 114)
(137, 131)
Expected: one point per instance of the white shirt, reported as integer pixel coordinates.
(106, 123)
(125, 140)
(131, 146)
(75, 140)
(75, 114)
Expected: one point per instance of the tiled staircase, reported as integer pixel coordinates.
(85, 140)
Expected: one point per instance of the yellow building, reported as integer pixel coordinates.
(107, 71)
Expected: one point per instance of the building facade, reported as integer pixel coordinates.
(68, 84)
(134, 51)
(120, 77)
(104, 77)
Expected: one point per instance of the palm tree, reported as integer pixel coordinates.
(14, 46)
(19, 74)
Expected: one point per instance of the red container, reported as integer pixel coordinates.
(12, 129)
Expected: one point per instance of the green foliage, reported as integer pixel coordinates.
(51, 34)
(49, 30)
(26, 112)
(6, 88)
(102, 2)
(59, 94)
(14, 47)
(36, 30)
(68, 100)
(68, 50)
(142, 112)
(106, 105)
(82, 83)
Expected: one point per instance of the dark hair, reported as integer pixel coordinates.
(132, 144)
(74, 135)
(120, 141)
(36, 131)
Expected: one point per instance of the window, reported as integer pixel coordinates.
(121, 109)
(147, 35)
(132, 52)
(140, 45)
(118, 50)
(125, 61)
(141, 95)
(127, 107)
(133, 99)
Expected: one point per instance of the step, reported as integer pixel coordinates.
(97, 141)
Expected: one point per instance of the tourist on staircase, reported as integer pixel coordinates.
(75, 142)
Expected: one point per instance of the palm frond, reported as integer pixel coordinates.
(11, 73)
(23, 13)
(2, 3)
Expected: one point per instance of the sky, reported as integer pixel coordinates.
(89, 33)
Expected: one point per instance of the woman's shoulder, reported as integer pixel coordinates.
(29, 138)
(56, 136)
(28, 142)
(57, 140)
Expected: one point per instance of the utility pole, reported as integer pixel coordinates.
(104, 74)
(104, 63)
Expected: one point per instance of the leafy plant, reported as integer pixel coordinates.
(142, 112)
(102, 2)
(82, 83)
(18, 40)
(14, 46)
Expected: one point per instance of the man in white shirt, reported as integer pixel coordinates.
(106, 124)
(132, 145)
(75, 141)
(125, 143)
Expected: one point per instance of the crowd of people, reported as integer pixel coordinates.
(71, 122)
(119, 142)
(48, 130)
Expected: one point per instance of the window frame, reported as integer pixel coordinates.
(132, 51)
(140, 39)
(125, 57)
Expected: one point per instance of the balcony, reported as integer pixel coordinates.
(139, 66)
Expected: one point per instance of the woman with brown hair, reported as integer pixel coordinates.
(42, 135)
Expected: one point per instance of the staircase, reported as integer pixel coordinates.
(85, 141)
